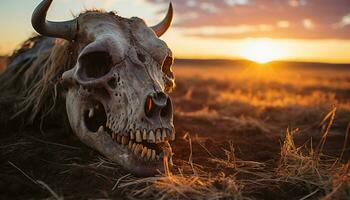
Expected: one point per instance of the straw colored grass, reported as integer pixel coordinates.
(318, 175)
(183, 186)
(308, 167)
(188, 181)
(253, 113)
(305, 167)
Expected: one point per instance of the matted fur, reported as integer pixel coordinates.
(30, 92)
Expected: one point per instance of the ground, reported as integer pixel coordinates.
(244, 131)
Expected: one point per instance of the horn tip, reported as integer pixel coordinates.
(171, 6)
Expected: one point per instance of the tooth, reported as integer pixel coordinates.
(153, 155)
(138, 136)
(113, 136)
(144, 152)
(157, 157)
(100, 129)
(151, 137)
(149, 153)
(144, 134)
(132, 135)
(133, 147)
(171, 161)
(158, 136)
(136, 149)
(125, 140)
(140, 148)
(119, 138)
(172, 135)
(91, 112)
(164, 135)
(130, 144)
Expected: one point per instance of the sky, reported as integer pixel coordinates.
(259, 30)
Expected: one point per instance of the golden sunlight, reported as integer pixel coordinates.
(262, 51)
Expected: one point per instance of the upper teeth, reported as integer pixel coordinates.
(138, 136)
(157, 136)
(132, 135)
(144, 134)
(164, 135)
(151, 137)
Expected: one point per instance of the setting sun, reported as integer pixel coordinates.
(262, 51)
(174, 99)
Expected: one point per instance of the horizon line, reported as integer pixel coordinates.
(243, 60)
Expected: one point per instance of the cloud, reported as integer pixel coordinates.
(345, 21)
(297, 3)
(308, 24)
(209, 7)
(213, 30)
(306, 19)
(283, 24)
(236, 2)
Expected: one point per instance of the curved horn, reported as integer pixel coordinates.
(163, 26)
(66, 30)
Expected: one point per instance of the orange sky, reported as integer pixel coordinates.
(260, 30)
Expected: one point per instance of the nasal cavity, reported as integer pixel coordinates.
(158, 104)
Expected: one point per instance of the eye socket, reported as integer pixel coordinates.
(95, 64)
(166, 68)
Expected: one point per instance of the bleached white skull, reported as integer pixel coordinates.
(117, 100)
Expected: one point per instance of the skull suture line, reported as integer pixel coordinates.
(117, 100)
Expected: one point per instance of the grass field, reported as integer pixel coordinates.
(244, 131)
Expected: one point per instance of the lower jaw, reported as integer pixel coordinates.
(137, 167)
(120, 154)
(146, 171)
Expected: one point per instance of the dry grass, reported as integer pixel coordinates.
(305, 166)
(265, 86)
(229, 126)
(308, 167)
(183, 186)
(188, 181)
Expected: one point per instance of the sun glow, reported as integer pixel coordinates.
(262, 51)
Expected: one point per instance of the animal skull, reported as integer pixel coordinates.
(117, 100)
